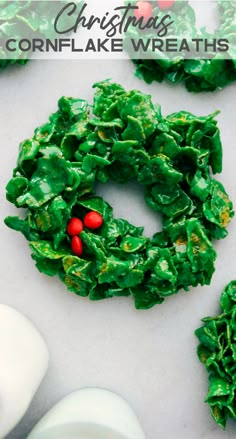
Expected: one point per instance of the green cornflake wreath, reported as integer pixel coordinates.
(25, 19)
(217, 351)
(55, 178)
(197, 74)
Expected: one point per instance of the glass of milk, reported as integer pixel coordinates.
(89, 414)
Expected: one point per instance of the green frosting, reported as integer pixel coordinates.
(196, 74)
(217, 351)
(127, 139)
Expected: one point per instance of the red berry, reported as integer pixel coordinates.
(93, 220)
(77, 245)
(144, 10)
(165, 4)
(74, 227)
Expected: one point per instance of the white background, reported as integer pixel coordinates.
(148, 357)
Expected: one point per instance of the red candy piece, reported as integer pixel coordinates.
(77, 245)
(93, 220)
(165, 4)
(74, 227)
(144, 10)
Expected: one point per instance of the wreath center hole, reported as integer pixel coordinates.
(210, 18)
(128, 202)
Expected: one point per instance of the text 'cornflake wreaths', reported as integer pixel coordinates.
(217, 350)
(128, 139)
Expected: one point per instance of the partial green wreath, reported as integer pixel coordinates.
(172, 157)
(217, 351)
(25, 19)
(196, 74)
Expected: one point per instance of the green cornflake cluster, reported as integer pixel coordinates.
(9, 12)
(217, 350)
(197, 74)
(127, 139)
(25, 19)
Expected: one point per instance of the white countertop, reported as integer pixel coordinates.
(148, 357)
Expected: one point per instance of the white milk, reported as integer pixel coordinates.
(86, 431)
(89, 414)
(23, 364)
